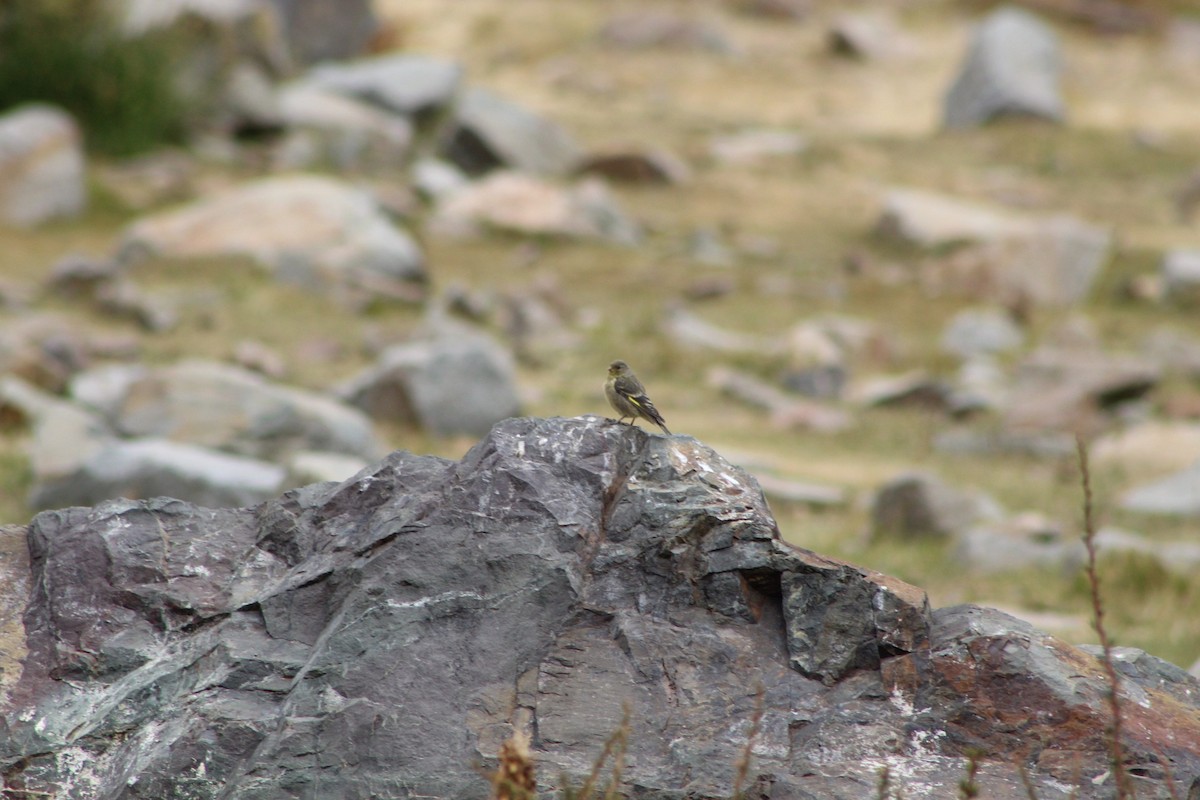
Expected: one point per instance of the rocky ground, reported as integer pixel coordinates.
(898, 328)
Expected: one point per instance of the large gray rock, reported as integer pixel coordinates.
(382, 636)
(1012, 69)
(148, 467)
(490, 131)
(1075, 388)
(326, 30)
(981, 331)
(346, 131)
(404, 83)
(1052, 260)
(1181, 275)
(42, 164)
(233, 409)
(1178, 494)
(455, 381)
(519, 203)
(307, 229)
(916, 505)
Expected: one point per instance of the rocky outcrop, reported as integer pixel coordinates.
(382, 636)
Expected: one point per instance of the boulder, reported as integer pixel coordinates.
(42, 166)
(524, 204)
(392, 630)
(981, 331)
(403, 83)
(1023, 541)
(1013, 68)
(931, 220)
(228, 408)
(1074, 388)
(1151, 446)
(307, 229)
(326, 30)
(1181, 275)
(489, 132)
(149, 467)
(454, 381)
(917, 505)
(756, 145)
(1052, 260)
(345, 125)
(1177, 495)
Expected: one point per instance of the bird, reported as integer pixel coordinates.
(627, 395)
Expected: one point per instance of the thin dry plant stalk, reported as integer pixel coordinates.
(514, 779)
(1116, 751)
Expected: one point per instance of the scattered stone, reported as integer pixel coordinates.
(755, 146)
(351, 132)
(261, 358)
(651, 167)
(307, 229)
(79, 276)
(310, 466)
(512, 201)
(124, 299)
(1039, 444)
(912, 388)
(1013, 68)
(490, 132)
(1052, 261)
(153, 179)
(807, 493)
(437, 179)
(250, 105)
(411, 85)
(1176, 495)
(102, 389)
(327, 30)
(536, 321)
(1072, 389)
(981, 331)
(44, 349)
(1055, 263)
(1149, 446)
(646, 28)
(709, 288)
(144, 468)
(917, 505)
(41, 159)
(226, 408)
(690, 332)
(1180, 558)
(1181, 275)
(786, 411)
(706, 247)
(1019, 542)
(1176, 352)
(823, 381)
(869, 36)
(980, 385)
(931, 220)
(456, 381)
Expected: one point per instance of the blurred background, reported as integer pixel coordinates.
(893, 258)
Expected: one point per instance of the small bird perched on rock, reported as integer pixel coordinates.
(627, 395)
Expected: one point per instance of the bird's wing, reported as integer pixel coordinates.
(630, 387)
